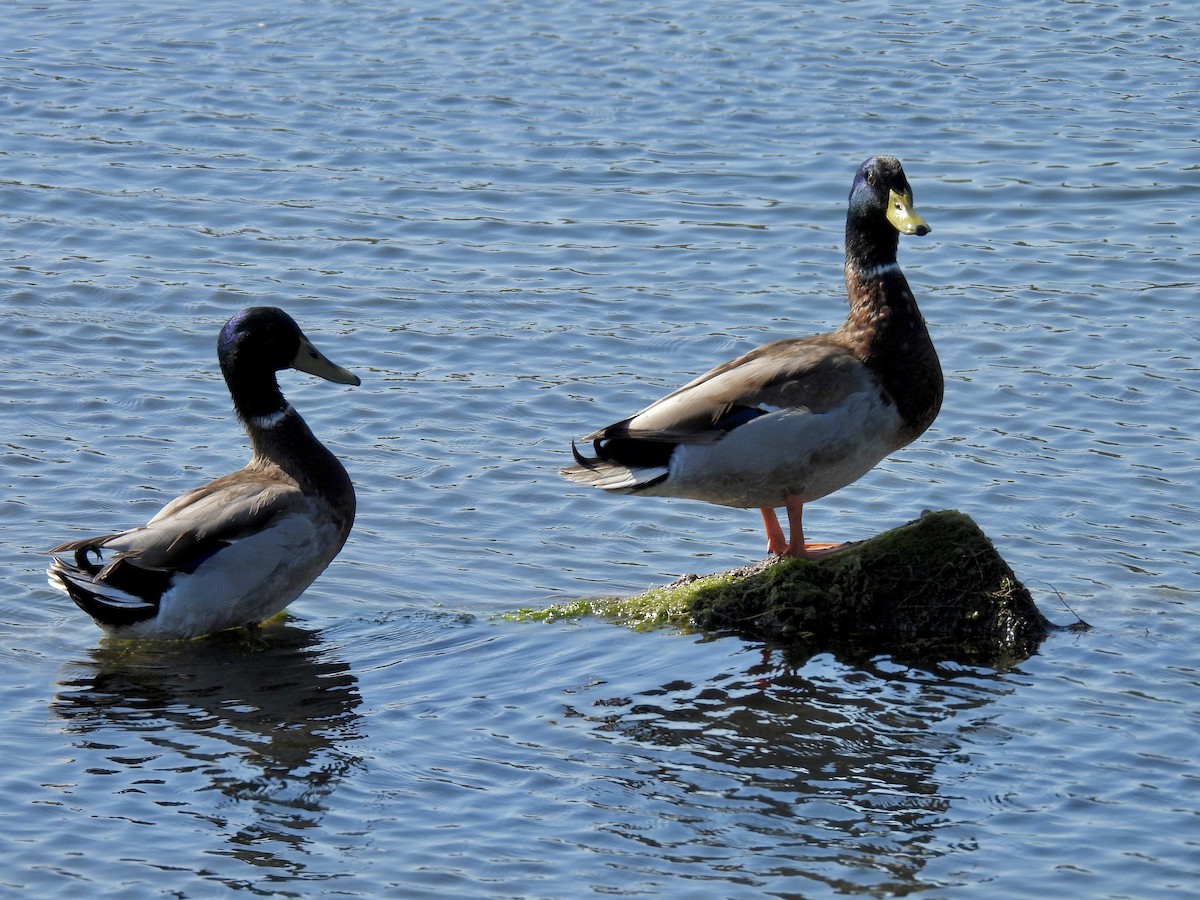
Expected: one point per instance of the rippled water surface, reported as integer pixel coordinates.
(519, 222)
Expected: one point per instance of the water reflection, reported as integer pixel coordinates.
(836, 768)
(264, 718)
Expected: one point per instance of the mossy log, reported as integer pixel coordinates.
(932, 589)
(935, 587)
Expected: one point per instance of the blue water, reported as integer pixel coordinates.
(517, 223)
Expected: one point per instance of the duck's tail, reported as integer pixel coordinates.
(620, 466)
(96, 594)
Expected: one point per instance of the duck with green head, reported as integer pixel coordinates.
(241, 548)
(797, 419)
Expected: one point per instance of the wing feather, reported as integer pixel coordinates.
(196, 524)
(801, 373)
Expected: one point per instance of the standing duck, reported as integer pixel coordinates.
(794, 420)
(239, 549)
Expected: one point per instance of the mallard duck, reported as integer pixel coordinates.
(794, 420)
(239, 549)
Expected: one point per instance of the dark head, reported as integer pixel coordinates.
(265, 339)
(260, 341)
(881, 209)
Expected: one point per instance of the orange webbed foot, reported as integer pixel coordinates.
(814, 551)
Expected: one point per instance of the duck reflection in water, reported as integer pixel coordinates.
(265, 717)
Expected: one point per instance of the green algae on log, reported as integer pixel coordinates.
(935, 587)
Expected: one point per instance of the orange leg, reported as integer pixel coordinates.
(795, 547)
(776, 542)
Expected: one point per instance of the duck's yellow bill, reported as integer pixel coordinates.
(902, 215)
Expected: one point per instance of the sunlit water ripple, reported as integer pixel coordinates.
(519, 222)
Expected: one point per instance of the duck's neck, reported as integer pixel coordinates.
(871, 241)
(882, 307)
(280, 437)
(886, 331)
